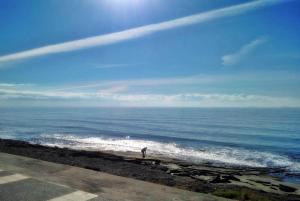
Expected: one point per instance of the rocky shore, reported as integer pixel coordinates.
(241, 183)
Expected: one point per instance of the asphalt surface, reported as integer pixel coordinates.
(27, 179)
(18, 187)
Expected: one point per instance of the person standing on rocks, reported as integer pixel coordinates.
(144, 152)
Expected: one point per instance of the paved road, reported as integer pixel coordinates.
(18, 187)
(27, 179)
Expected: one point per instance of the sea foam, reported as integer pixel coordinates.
(224, 155)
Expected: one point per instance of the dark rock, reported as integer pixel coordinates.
(182, 174)
(224, 179)
(230, 177)
(92, 168)
(287, 188)
(203, 178)
(218, 179)
(273, 188)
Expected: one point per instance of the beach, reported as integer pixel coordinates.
(223, 181)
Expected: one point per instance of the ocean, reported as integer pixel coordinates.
(228, 136)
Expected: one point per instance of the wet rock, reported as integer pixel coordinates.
(182, 173)
(224, 179)
(163, 168)
(203, 178)
(273, 188)
(265, 183)
(217, 179)
(231, 177)
(176, 171)
(287, 188)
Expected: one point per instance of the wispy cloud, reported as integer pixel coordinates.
(194, 80)
(232, 59)
(177, 100)
(130, 34)
(15, 85)
(103, 66)
(202, 100)
(187, 80)
(113, 90)
(35, 94)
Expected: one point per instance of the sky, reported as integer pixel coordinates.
(150, 53)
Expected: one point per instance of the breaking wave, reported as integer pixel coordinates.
(223, 155)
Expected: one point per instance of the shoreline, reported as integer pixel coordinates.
(223, 181)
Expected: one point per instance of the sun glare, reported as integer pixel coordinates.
(125, 3)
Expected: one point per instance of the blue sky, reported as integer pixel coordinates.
(225, 53)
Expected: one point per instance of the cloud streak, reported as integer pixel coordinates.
(104, 66)
(138, 32)
(193, 80)
(14, 85)
(34, 94)
(171, 100)
(196, 79)
(232, 59)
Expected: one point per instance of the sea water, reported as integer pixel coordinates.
(230, 136)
